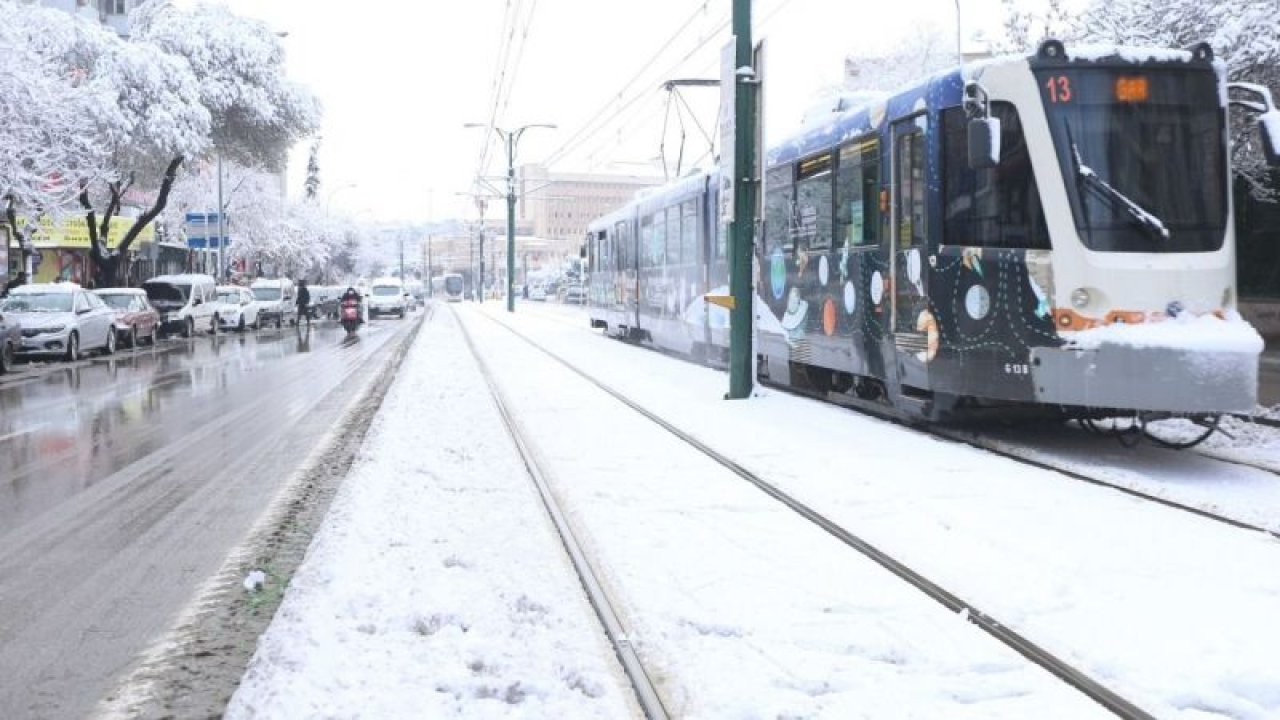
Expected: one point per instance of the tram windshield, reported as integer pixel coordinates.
(453, 284)
(1143, 153)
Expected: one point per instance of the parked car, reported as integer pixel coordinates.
(60, 319)
(136, 320)
(575, 293)
(10, 341)
(274, 298)
(324, 301)
(186, 303)
(236, 308)
(387, 297)
(537, 292)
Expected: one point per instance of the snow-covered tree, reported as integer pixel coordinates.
(147, 112)
(238, 63)
(1027, 24)
(49, 123)
(312, 183)
(926, 51)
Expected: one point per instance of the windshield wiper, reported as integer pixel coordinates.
(1118, 200)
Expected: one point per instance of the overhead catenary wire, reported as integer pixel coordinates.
(510, 20)
(570, 141)
(576, 143)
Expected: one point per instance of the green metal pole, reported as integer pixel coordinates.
(511, 217)
(741, 230)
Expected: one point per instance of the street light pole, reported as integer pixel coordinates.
(511, 138)
(329, 198)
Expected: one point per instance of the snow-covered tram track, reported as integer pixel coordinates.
(1024, 646)
(1030, 455)
(643, 686)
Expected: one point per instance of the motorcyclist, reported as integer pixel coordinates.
(352, 295)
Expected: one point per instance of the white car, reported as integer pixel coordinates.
(236, 308)
(387, 297)
(60, 319)
(186, 303)
(274, 298)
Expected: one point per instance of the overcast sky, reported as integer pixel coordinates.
(399, 80)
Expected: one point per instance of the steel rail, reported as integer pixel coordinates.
(1059, 668)
(646, 694)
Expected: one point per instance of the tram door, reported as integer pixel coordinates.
(910, 320)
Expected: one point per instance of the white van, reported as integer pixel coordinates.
(186, 303)
(387, 297)
(274, 300)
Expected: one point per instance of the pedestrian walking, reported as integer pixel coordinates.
(19, 280)
(304, 303)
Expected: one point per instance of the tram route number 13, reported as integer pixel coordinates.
(1059, 87)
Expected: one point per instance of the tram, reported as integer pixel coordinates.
(1050, 232)
(448, 286)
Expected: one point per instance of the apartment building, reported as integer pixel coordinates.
(557, 207)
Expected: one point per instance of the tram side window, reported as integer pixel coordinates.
(911, 189)
(996, 207)
(658, 239)
(777, 210)
(857, 194)
(622, 236)
(813, 202)
(673, 236)
(689, 231)
(646, 242)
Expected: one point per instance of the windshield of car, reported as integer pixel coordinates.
(1143, 154)
(38, 302)
(385, 290)
(266, 293)
(117, 301)
(166, 293)
(229, 297)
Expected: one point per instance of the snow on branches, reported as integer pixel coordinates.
(92, 118)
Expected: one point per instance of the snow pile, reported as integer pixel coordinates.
(1206, 333)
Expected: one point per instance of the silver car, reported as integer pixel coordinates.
(60, 319)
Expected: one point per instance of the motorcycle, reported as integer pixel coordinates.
(350, 316)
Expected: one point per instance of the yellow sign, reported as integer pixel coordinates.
(724, 301)
(72, 231)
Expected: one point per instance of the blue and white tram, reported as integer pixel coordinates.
(1087, 268)
(650, 264)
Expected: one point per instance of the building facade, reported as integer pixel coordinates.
(557, 207)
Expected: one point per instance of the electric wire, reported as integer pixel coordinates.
(568, 149)
(569, 142)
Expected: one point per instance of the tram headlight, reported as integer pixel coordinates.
(1080, 298)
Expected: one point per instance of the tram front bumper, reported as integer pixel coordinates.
(1159, 379)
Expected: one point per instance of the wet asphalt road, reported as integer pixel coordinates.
(126, 481)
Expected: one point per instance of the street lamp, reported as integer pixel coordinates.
(329, 198)
(511, 138)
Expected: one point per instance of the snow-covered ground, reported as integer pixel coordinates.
(414, 601)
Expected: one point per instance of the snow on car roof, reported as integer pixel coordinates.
(45, 288)
(120, 291)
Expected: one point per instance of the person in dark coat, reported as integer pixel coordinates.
(19, 280)
(304, 303)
